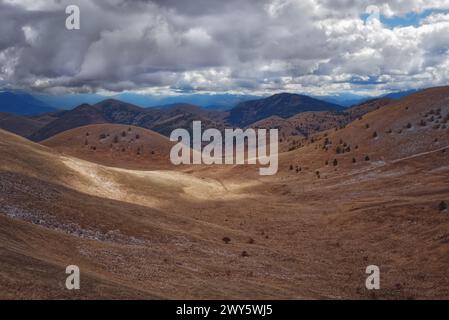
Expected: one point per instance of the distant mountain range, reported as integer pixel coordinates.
(209, 101)
(400, 94)
(25, 103)
(283, 105)
(27, 116)
(162, 120)
(22, 104)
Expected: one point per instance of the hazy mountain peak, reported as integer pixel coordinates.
(21, 103)
(283, 105)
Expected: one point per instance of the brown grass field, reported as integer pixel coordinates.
(139, 228)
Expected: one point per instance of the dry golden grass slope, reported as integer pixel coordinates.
(299, 234)
(414, 125)
(115, 145)
(302, 124)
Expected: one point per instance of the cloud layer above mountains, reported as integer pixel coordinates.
(251, 46)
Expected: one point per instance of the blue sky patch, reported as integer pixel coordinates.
(410, 19)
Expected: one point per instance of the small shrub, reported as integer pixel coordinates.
(291, 167)
(354, 160)
(116, 139)
(226, 240)
(335, 162)
(102, 136)
(245, 254)
(124, 134)
(442, 206)
(409, 125)
(375, 134)
(367, 158)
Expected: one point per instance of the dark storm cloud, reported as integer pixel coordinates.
(211, 45)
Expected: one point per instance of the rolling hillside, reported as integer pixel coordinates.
(114, 145)
(162, 120)
(23, 126)
(224, 231)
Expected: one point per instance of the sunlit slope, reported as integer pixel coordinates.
(115, 145)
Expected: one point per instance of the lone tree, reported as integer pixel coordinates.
(375, 134)
(245, 254)
(335, 162)
(442, 206)
(367, 158)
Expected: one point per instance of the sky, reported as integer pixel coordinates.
(253, 47)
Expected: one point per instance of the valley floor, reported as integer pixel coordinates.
(162, 234)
